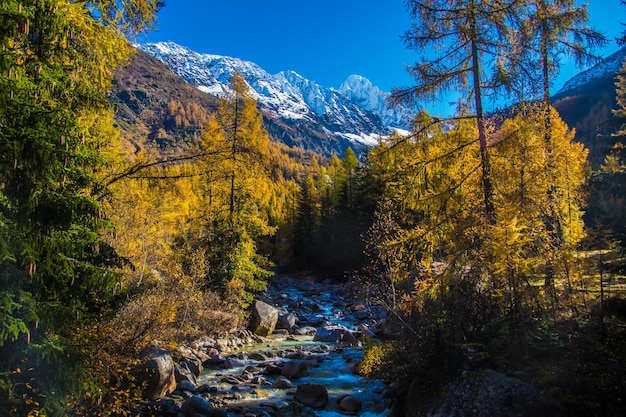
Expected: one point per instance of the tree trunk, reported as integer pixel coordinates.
(480, 120)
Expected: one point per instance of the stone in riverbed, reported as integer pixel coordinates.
(295, 369)
(263, 318)
(335, 335)
(196, 405)
(182, 373)
(193, 363)
(257, 356)
(350, 404)
(282, 382)
(287, 322)
(305, 331)
(312, 395)
(295, 410)
(156, 371)
(186, 385)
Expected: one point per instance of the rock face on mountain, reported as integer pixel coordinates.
(585, 102)
(165, 80)
(298, 111)
(605, 69)
(361, 91)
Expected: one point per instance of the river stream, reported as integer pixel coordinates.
(261, 379)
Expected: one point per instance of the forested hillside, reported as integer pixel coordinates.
(154, 107)
(137, 211)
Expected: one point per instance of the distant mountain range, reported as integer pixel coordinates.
(298, 111)
(164, 77)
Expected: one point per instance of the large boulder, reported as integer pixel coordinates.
(350, 404)
(480, 394)
(196, 405)
(263, 318)
(155, 372)
(335, 335)
(287, 322)
(295, 369)
(312, 395)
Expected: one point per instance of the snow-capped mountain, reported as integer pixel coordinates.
(296, 108)
(361, 91)
(607, 68)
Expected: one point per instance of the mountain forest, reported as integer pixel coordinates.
(483, 235)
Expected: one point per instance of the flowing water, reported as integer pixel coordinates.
(246, 387)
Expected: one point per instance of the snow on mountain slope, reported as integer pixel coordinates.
(361, 91)
(357, 113)
(608, 67)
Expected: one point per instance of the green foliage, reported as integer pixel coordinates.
(235, 160)
(386, 360)
(607, 208)
(56, 62)
(334, 209)
(307, 224)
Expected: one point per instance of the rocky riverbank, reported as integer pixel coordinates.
(296, 360)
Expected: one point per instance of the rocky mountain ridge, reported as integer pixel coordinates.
(301, 113)
(606, 68)
(299, 110)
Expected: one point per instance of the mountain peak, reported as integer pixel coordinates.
(357, 114)
(362, 92)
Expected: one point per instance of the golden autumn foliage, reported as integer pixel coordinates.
(434, 252)
(58, 146)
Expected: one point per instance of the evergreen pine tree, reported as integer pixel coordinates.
(56, 62)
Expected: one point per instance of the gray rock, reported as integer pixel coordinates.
(295, 369)
(282, 382)
(257, 356)
(271, 369)
(312, 395)
(350, 404)
(155, 372)
(193, 363)
(205, 389)
(295, 410)
(186, 385)
(305, 331)
(335, 335)
(196, 405)
(182, 373)
(287, 322)
(263, 318)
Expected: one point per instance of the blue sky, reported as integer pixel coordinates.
(323, 40)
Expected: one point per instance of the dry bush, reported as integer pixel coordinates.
(170, 316)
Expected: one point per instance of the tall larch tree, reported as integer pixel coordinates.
(236, 156)
(468, 40)
(552, 29)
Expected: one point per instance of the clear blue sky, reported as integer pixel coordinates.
(323, 40)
